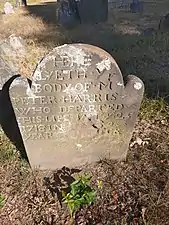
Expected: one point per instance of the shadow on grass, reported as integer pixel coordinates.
(46, 11)
(62, 179)
(144, 56)
(8, 120)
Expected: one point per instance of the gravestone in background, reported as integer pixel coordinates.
(92, 11)
(66, 13)
(12, 50)
(149, 31)
(77, 109)
(8, 8)
(164, 23)
(137, 6)
(73, 12)
(13, 46)
(6, 71)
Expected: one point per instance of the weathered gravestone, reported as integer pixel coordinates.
(6, 71)
(94, 11)
(8, 8)
(13, 46)
(12, 50)
(77, 109)
(123, 3)
(164, 23)
(137, 6)
(149, 31)
(72, 12)
(66, 13)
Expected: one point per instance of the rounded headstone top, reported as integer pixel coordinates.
(77, 108)
(81, 56)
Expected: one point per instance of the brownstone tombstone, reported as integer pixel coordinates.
(77, 109)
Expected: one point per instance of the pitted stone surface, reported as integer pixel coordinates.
(12, 50)
(7, 70)
(77, 109)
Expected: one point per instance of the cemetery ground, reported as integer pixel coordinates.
(135, 191)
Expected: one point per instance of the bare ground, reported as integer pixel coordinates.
(133, 192)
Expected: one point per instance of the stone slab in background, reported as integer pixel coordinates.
(72, 12)
(66, 13)
(149, 31)
(7, 70)
(164, 23)
(77, 109)
(8, 8)
(92, 11)
(12, 50)
(119, 4)
(137, 6)
(13, 46)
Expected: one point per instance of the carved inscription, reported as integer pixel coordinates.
(77, 108)
(60, 95)
(84, 97)
(73, 99)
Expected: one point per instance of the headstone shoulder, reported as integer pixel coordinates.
(77, 108)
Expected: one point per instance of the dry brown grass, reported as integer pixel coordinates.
(27, 27)
(21, 24)
(40, 38)
(133, 192)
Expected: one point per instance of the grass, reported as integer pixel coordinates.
(132, 192)
(36, 35)
(3, 2)
(144, 56)
(154, 109)
(13, 2)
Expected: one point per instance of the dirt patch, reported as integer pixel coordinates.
(132, 192)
